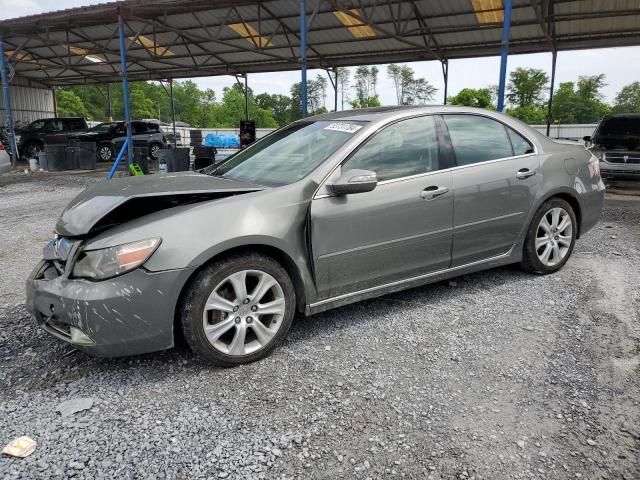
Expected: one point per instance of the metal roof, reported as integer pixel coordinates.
(180, 38)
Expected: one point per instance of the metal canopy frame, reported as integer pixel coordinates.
(134, 40)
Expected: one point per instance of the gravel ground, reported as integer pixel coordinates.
(495, 375)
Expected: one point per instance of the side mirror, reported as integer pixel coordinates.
(587, 138)
(354, 181)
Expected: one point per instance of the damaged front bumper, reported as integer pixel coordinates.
(126, 315)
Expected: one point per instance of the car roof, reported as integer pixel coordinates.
(379, 113)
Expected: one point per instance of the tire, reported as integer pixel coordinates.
(222, 346)
(153, 150)
(32, 149)
(105, 152)
(554, 245)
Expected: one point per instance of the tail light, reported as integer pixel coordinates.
(594, 166)
(1, 146)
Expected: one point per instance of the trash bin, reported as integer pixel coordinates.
(177, 159)
(85, 155)
(42, 160)
(57, 158)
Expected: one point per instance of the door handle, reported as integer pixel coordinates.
(525, 173)
(433, 192)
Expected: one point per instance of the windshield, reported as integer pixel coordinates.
(288, 154)
(103, 127)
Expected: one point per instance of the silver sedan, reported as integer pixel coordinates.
(327, 211)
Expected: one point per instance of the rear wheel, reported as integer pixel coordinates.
(105, 152)
(154, 148)
(237, 310)
(550, 238)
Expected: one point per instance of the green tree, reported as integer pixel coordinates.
(278, 105)
(366, 82)
(410, 90)
(564, 103)
(530, 114)
(474, 97)
(527, 86)
(344, 84)
(314, 100)
(70, 104)
(628, 99)
(580, 102)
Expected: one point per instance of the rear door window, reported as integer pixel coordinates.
(405, 148)
(477, 139)
(55, 125)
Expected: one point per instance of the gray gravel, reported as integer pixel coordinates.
(494, 375)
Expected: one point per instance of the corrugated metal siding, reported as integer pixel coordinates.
(568, 131)
(28, 104)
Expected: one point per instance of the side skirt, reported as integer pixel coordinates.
(432, 277)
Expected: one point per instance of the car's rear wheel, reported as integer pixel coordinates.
(236, 310)
(154, 148)
(105, 152)
(550, 238)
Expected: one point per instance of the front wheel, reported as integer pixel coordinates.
(236, 310)
(33, 149)
(550, 238)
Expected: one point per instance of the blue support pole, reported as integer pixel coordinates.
(303, 58)
(7, 105)
(125, 88)
(116, 163)
(504, 53)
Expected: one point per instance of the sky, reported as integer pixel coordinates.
(619, 64)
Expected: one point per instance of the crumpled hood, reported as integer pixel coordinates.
(112, 202)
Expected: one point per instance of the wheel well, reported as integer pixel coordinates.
(573, 201)
(278, 255)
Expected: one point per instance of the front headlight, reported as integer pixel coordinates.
(113, 261)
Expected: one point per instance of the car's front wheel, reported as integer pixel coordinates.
(550, 238)
(236, 310)
(31, 150)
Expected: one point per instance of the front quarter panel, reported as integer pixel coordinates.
(193, 234)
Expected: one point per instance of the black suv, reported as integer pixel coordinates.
(33, 137)
(110, 136)
(616, 142)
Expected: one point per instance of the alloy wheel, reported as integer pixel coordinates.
(105, 153)
(244, 312)
(554, 236)
(33, 150)
(153, 151)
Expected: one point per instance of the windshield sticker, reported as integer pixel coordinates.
(343, 127)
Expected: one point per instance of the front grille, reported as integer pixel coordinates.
(623, 157)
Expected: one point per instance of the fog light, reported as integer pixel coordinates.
(79, 337)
